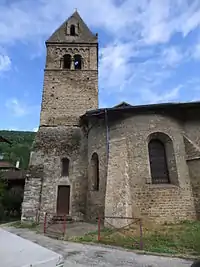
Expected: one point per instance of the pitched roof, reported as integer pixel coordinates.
(84, 36)
(6, 165)
(173, 107)
(122, 105)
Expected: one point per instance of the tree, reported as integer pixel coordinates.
(20, 148)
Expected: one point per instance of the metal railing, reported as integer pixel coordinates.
(129, 234)
(54, 224)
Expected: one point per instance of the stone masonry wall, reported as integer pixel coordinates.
(56, 143)
(173, 202)
(97, 143)
(192, 131)
(68, 94)
(119, 197)
(161, 203)
(51, 145)
(55, 53)
(194, 170)
(30, 205)
(32, 190)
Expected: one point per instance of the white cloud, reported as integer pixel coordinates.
(196, 51)
(172, 56)
(161, 19)
(155, 21)
(11, 128)
(5, 63)
(150, 96)
(19, 108)
(191, 17)
(128, 63)
(114, 64)
(138, 76)
(16, 108)
(35, 129)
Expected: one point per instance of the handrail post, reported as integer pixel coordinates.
(45, 223)
(64, 225)
(141, 235)
(99, 228)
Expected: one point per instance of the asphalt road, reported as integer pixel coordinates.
(91, 255)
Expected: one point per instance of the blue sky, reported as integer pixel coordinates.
(149, 52)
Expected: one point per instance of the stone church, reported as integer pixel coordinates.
(125, 161)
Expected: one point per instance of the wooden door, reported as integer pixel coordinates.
(63, 199)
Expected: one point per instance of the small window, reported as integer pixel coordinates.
(158, 162)
(67, 61)
(95, 171)
(65, 167)
(72, 30)
(77, 62)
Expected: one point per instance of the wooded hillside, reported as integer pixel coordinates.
(20, 148)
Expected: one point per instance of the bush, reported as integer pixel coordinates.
(10, 201)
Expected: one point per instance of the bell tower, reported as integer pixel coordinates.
(71, 74)
(57, 180)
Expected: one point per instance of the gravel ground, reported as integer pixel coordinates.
(93, 255)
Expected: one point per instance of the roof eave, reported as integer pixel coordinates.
(155, 107)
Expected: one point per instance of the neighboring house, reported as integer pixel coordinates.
(130, 161)
(12, 174)
(6, 165)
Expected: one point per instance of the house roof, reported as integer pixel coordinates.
(6, 164)
(127, 108)
(14, 174)
(4, 140)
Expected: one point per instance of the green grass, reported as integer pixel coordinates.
(25, 225)
(183, 238)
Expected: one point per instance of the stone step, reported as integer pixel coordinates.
(55, 235)
(61, 218)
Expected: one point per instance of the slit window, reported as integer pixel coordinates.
(95, 171)
(72, 30)
(65, 167)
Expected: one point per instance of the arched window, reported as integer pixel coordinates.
(158, 162)
(72, 30)
(67, 61)
(95, 171)
(65, 167)
(77, 62)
